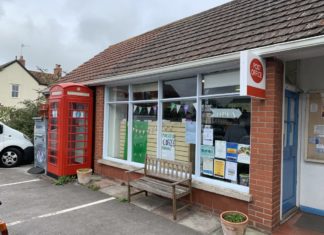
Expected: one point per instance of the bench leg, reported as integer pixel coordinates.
(129, 193)
(174, 202)
(190, 195)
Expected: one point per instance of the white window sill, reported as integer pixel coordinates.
(241, 193)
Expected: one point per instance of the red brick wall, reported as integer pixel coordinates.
(265, 168)
(99, 124)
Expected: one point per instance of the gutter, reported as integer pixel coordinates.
(262, 51)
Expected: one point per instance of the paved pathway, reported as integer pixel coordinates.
(33, 205)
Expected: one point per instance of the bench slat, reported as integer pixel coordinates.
(158, 187)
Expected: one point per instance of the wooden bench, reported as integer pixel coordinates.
(170, 179)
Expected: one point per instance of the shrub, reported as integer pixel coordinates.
(21, 118)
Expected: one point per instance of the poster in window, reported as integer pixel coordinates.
(244, 151)
(231, 171)
(190, 132)
(231, 151)
(207, 151)
(208, 136)
(168, 146)
(220, 149)
(207, 166)
(219, 168)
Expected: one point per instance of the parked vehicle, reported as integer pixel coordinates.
(15, 147)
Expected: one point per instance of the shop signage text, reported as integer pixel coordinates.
(252, 75)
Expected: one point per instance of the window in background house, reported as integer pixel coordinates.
(14, 90)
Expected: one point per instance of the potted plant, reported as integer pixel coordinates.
(84, 175)
(234, 222)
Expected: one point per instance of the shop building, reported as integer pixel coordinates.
(176, 93)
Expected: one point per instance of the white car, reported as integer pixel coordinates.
(15, 147)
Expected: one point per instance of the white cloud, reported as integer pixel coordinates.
(70, 32)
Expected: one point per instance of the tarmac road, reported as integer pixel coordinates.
(34, 205)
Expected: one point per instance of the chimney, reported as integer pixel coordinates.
(57, 71)
(22, 61)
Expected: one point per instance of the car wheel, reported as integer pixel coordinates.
(10, 157)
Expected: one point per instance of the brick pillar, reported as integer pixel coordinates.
(99, 123)
(266, 145)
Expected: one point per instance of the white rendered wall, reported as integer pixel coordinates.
(311, 174)
(28, 87)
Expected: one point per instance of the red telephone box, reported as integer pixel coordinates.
(69, 129)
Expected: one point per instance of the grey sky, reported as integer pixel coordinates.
(69, 32)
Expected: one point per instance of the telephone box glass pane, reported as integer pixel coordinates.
(53, 133)
(118, 131)
(77, 133)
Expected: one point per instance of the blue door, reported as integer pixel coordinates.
(290, 151)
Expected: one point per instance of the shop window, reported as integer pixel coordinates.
(178, 140)
(221, 83)
(180, 88)
(144, 137)
(145, 91)
(117, 131)
(119, 93)
(225, 139)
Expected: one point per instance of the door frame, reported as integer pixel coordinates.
(299, 146)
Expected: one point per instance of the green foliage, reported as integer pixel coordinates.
(20, 118)
(65, 180)
(234, 217)
(122, 199)
(94, 187)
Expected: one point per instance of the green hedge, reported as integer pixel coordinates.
(21, 118)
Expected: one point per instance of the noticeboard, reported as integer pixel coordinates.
(315, 132)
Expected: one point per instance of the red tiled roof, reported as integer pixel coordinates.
(44, 78)
(232, 27)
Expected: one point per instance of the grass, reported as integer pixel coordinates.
(65, 180)
(234, 217)
(93, 187)
(122, 199)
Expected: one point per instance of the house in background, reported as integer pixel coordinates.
(19, 84)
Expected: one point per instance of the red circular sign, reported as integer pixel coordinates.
(256, 70)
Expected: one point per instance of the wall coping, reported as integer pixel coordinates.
(196, 183)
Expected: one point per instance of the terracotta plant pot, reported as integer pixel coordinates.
(84, 175)
(233, 228)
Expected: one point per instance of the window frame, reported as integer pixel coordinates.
(160, 100)
(15, 91)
